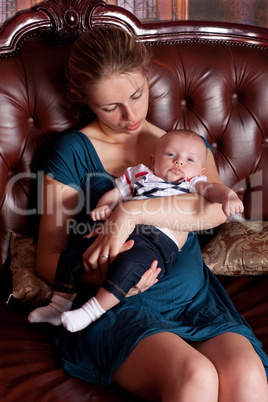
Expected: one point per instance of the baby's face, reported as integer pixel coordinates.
(178, 157)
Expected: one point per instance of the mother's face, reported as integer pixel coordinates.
(121, 102)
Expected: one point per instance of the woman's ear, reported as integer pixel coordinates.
(202, 171)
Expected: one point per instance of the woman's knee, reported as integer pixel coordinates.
(192, 378)
(201, 374)
(244, 379)
(164, 367)
(241, 373)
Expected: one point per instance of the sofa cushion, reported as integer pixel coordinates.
(27, 287)
(239, 249)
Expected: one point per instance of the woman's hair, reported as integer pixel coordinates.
(100, 52)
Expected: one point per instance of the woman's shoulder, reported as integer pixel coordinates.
(155, 130)
(74, 145)
(72, 140)
(207, 144)
(71, 158)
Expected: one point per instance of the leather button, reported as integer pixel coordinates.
(183, 103)
(234, 97)
(214, 145)
(265, 141)
(241, 191)
(10, 173)
(30, 121)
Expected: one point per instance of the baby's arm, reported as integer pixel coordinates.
(106, 205)
(217, 192)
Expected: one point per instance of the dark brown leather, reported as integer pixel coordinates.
(211, 78)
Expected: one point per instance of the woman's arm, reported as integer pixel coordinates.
(59, 203)
(217, 192)
(185, 213)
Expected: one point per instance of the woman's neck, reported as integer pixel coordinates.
(117, 151)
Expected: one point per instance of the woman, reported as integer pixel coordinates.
(182, 339)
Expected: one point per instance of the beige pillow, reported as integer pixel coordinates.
(239, 249)
(27, 287)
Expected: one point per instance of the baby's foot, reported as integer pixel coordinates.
(76, 320)
(52, 312)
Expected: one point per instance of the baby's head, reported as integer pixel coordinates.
(179, 154)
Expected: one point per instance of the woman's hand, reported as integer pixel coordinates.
(148, 279)
(97, 274)
(110, 241)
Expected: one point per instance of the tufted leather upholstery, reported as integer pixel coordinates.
(210, 78)
(34, 112)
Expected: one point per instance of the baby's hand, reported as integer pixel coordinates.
(101, 213)
(232, 205)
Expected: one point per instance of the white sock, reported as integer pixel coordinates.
(76, 320)
(52, 312)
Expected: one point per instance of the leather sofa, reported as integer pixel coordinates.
(209, 77)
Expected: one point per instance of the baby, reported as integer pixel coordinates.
(177, 167)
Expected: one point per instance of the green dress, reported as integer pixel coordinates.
(189, 301)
